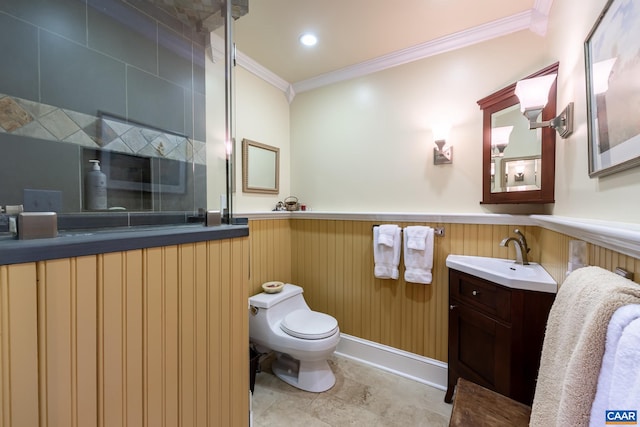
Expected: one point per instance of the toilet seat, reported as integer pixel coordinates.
(309, 325)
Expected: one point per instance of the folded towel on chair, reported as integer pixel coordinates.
(574, 345)
(418, 263)
(619, 380)
(386, 258)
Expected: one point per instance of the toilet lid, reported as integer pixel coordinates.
(309, 325)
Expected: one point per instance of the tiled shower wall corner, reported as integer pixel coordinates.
(46, 122)
(72, 69)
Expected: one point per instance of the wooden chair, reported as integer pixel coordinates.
(475, 405)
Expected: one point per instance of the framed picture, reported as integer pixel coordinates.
(612, 60)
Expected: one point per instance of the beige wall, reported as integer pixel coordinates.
(262, 115)
(614, 197)
(366, 144)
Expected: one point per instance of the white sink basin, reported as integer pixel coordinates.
(505, 272)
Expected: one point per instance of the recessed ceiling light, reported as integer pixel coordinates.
(308, 39)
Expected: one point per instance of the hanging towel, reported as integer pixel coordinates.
(619, 380)
(418, 263)
(387, 234)
(416, 236)
(574, 345)
(386, 257)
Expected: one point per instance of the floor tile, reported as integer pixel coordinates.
(362, 396)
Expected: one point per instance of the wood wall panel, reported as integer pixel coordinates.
(153, 337)
(5, 400)
(19, 345)
(555, 256)
(271, 253)
(333, 261)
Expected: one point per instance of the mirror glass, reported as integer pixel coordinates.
(518, 163)
(515, 147)
(260, 167)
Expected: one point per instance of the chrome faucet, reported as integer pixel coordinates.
(520, 244)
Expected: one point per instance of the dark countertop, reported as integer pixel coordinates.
(90, 242)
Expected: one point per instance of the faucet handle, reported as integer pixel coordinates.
(521, 236)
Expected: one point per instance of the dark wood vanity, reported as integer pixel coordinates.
(495, 335)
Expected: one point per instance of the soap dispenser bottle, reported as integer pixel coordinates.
(95, 187)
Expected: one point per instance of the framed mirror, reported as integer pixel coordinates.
(260, 168)
(518, 163)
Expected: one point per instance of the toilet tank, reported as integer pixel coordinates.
(265, 300)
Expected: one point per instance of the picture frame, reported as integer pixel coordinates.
(612, 62)
(260, 168)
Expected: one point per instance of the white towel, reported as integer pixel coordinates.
(386, 258)
(418, 263)
(574, 345)
(387, 234)
(416, 236)
(619, 380)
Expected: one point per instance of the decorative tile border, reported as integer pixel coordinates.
(28, 118)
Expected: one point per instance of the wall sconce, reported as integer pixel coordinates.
(442, 155)
(500, 139)
(533, 95)
(519, 175)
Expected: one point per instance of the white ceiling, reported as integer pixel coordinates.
(361, 36)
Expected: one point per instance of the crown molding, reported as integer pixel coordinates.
(534, 20)
(543, 6)
(540, 17)
(265, 74)
(244, 61)
(491, 30)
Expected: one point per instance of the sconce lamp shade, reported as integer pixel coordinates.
(500, 137)
(534, 93)
(441, 131)
(601, 73)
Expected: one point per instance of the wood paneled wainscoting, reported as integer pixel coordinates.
(150, 337)
(333, 261)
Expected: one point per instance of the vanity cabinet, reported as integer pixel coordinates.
(495, 335)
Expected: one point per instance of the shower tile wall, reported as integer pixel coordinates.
(65, 62)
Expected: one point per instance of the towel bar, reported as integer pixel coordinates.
(438, 231)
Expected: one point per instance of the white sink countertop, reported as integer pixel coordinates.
(505, 272)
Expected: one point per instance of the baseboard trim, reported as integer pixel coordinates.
(409, 365)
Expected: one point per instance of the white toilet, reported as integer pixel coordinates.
(302, 339)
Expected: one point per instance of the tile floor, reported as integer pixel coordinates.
(362, 396)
